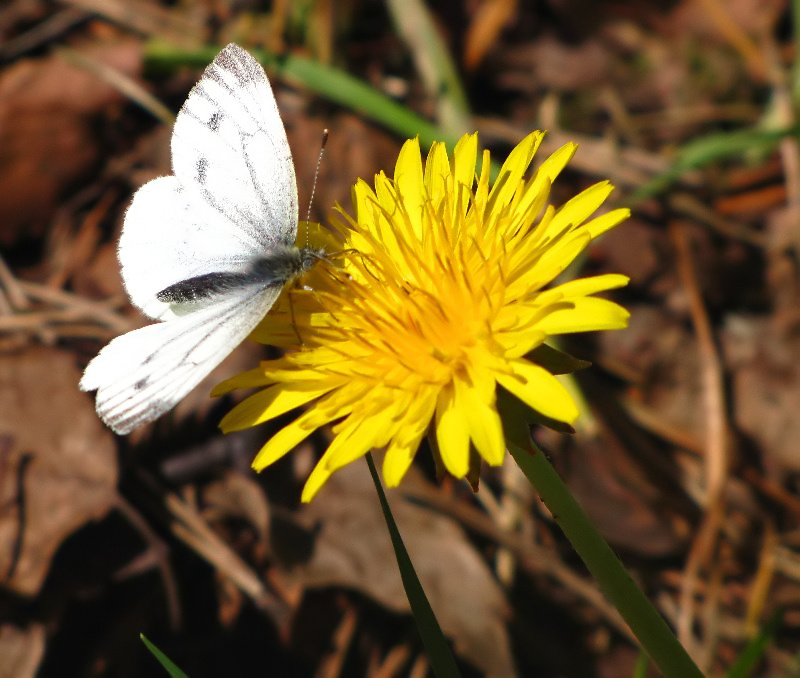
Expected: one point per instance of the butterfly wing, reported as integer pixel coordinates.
(143, 374)
(232, 198)
(233, 195)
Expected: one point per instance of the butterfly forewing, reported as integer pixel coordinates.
(233, 196)
(243, 165)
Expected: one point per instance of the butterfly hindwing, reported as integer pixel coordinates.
(143, 374)
(169, 235)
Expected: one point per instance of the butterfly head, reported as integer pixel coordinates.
(308, 256)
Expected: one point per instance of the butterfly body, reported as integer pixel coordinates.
(274, 269)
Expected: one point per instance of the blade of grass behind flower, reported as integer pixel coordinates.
(165, 661)
(412, 20)
(436, 646)
(710, 148)
(328, 82)
(641, 666)
(753, 652)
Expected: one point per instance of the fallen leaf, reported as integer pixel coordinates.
(353, 550)
(58, 463)
(765, 388)
(21, 650)
(48, 136)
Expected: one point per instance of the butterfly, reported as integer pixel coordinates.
(207, 250)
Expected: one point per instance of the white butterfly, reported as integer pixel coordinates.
(207, 250)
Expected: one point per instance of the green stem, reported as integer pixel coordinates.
(648, 626)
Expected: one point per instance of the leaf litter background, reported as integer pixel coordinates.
(686, 458)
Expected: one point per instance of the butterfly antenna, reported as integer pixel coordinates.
(314, 185)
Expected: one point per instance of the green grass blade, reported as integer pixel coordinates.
(327, 81)
(711, 148)
(754, 651)
(436, 646)
(641, 666)
(436, 68)
(165, 661)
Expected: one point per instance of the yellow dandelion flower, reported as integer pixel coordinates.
(439, 297)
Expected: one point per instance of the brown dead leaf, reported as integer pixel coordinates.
(174, 26)
(701, 18)
(739, 24)
(21, 650)
(781, 263)
(353, 550)
(657, 346)
(633, 251)
(631, 509)
(47, 139)
(354, 149)
(100, 279)
(766, 388)
(58, 466)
